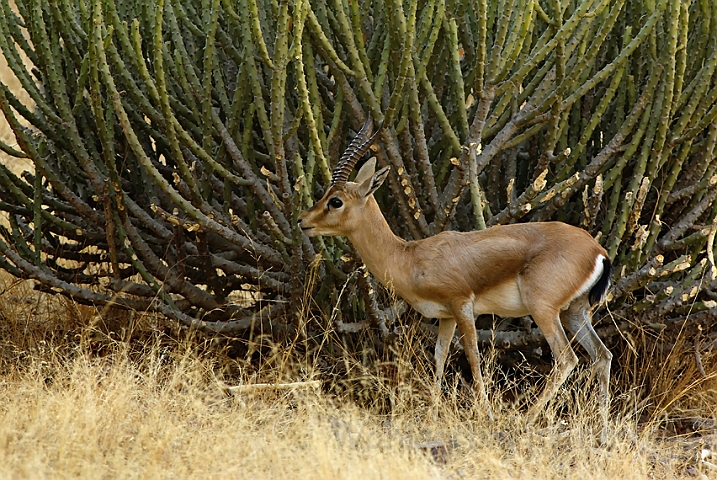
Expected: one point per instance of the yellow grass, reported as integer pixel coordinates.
(81, 397)
(111, 417)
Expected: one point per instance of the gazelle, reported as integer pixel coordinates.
(549, 270)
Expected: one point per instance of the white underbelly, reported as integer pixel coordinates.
(503, 300)
(431, 309)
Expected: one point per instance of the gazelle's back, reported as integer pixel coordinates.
(463, 262)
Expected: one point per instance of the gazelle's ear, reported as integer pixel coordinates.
(367, 170)
(369, 185)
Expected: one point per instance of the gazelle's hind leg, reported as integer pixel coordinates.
(463, 314)
(577, 320)
(446, 328)
(548, 320)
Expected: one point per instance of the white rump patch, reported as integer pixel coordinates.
(592, 279)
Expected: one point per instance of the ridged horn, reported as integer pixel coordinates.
(353, 153)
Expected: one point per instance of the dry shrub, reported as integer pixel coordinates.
(16, 165)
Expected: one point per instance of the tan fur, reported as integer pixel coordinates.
(512, 270)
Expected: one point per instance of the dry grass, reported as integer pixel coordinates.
(78, 399)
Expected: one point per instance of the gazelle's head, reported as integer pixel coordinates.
(340, 210)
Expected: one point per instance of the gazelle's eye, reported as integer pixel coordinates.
(336, 202)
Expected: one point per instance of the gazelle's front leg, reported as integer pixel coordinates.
(463, 314)
(446, 328)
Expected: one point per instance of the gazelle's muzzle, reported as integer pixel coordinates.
(305, 224)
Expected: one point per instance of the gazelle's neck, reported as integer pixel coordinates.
(380, 249)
